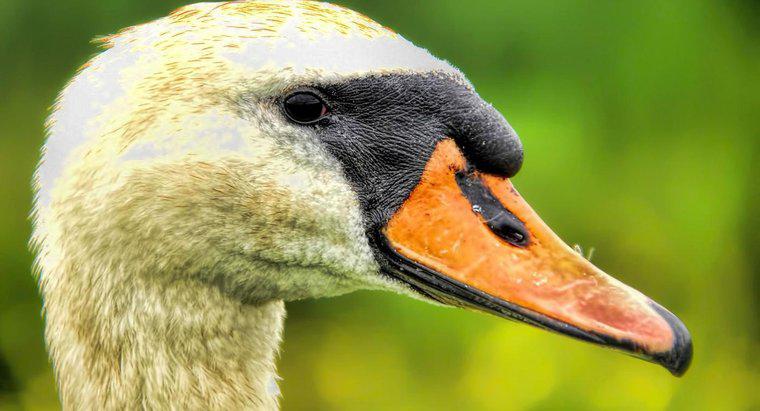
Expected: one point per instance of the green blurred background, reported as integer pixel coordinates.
(640, 121)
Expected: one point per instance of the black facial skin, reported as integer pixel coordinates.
(383, 130)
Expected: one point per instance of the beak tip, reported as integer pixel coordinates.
(678, 359)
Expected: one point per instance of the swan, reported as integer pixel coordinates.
(208, 166)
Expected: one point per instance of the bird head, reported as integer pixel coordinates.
(290, 150)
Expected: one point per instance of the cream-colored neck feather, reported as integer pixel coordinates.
(164, 277)
(160, 345)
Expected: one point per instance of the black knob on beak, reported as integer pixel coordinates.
(487, 140)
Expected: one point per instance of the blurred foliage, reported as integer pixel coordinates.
(640, 125)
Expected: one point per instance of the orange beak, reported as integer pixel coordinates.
(466, 238)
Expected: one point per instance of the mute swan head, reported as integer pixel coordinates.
(279, 150)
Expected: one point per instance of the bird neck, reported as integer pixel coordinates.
(127, 342)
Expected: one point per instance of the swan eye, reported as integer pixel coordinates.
(305, 107)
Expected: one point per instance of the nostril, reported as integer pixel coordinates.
(498, 219)
(510, 230)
